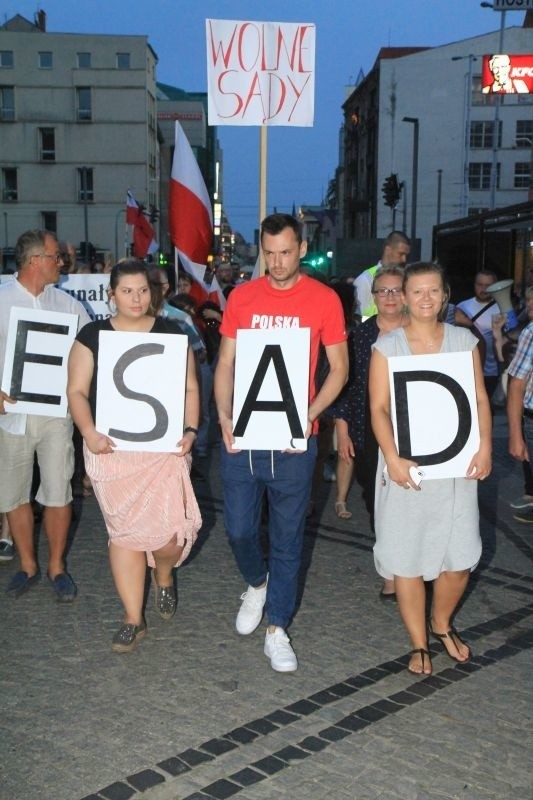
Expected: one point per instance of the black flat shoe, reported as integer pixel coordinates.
(390, 596)
(165, 600)
(127, 637)
(455, 639)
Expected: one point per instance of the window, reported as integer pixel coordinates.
(482, 134)
(84, 60)
(45, 60)
(85, 185)
(522, 172)
(479, 175)
(478, 98)
(49, 221)
(7, 103)
(9, 185)
(123, 60)
(84, 111)
(47, 144)
(6, 59)
(524, 133)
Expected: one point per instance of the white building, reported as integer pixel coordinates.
(439, 90)
(78, 128)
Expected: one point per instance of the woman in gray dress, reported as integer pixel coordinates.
(428, 532)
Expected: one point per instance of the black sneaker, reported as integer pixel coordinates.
(526, 515)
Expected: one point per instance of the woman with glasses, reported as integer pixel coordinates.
(355, 439)
(428, 532)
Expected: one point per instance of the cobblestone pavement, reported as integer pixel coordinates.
(196, 712)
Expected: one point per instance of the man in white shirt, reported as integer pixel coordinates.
(23, 436)
(477, 313)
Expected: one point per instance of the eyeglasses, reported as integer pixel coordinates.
(386, 292)
(57, 257)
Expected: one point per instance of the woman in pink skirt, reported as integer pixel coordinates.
(146, 498)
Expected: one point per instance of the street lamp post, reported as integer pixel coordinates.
(497, 105)
(414, 178)
(465, 193)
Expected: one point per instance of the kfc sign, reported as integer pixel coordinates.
(260, 73)
(505, 74)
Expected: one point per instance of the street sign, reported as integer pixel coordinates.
(512, 5)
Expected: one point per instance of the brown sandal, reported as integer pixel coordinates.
(423, 654)
(455, 639)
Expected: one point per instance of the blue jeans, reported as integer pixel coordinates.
(286, 478)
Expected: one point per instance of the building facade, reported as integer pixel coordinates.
(78, 128)
(420, 115)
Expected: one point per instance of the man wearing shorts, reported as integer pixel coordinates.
(23, 436)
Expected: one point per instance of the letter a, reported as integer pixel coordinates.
(271, 353)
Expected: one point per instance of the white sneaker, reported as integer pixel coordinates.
(278, 649)
(251, 610)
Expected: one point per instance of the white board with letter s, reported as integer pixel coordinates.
(434, 411)
(271, 392)
(140, 391)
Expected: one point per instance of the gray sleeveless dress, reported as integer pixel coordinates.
(437, 529)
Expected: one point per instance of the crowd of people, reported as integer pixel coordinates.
(357, 331)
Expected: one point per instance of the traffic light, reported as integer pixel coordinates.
(391, 190)
(154, 213)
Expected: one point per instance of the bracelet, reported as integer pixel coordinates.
(190, 429)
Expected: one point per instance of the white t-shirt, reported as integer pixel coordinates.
(13, 294)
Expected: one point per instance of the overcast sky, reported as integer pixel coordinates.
(348, 37)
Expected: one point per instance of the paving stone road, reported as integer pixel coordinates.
(196, 712)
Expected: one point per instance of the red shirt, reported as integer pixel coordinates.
(307, 304)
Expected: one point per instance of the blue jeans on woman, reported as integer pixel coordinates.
(286, 478)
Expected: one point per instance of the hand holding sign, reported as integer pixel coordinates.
(5, 398)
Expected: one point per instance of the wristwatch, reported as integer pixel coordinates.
(190, 429)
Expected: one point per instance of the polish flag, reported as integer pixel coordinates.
(144, 242)
(189, 208)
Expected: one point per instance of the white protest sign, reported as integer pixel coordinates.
(434, 412)
(140, 391)
(271, 394)
(260, 73)
(90, 290)
(35, 366)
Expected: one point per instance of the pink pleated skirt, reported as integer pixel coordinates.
(146, 499)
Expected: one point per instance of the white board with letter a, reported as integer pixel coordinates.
(434, 412)
(271, 392)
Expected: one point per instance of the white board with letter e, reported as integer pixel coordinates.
(35, 366)
(271, 389)
(434, 412)
(140, 391)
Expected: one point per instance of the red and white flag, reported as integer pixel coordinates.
(144, 242)
(189, 208)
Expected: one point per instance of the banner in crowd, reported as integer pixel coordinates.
(434, 412)
(260, 73)
(90, 290)
(271, 396)
(140, 393)
(35, 366)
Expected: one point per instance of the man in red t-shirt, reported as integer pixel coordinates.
(284, 298)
